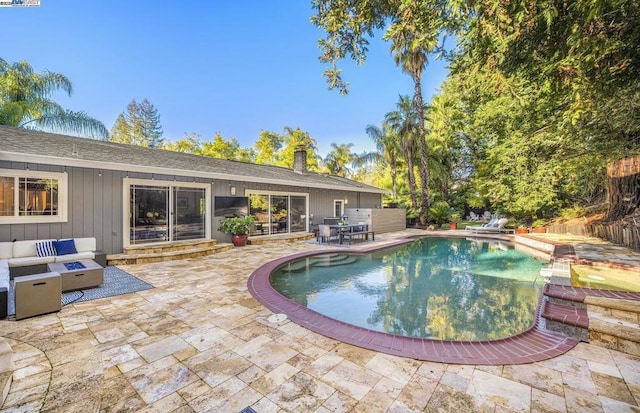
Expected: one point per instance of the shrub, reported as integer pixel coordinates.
(237, 225)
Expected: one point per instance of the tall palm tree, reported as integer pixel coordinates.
(338, 158)
(404, 123)
(25, 102)
(388, 151)
(413, 36)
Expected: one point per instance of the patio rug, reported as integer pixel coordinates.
(116, 282)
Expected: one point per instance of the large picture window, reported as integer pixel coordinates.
(32, 196)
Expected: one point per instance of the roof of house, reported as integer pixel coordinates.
(24, 145)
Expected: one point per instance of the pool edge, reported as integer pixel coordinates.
(534, 344)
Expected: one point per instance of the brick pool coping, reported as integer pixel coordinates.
(535, 344)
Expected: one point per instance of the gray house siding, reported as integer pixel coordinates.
(96, 204)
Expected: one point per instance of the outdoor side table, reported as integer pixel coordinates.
(37, 294)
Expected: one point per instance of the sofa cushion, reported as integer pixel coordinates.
(85, 244)
(87, 255)
(25, 248)
(24, 261)
(65, 247)
(45, 249)
(6, 250)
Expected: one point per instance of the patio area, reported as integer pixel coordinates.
(199, 342)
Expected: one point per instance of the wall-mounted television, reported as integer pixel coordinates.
(230, 206)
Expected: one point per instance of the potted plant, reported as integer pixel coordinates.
(238, 227)
(453, 220)
(539, 225)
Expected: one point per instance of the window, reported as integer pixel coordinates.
(32, 197)
(338, 207)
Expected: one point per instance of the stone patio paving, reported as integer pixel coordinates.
(198, 342)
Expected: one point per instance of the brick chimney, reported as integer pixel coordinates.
(300, 159)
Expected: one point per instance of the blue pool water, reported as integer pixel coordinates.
(441, 288)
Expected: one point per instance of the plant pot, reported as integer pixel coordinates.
(453, 225)
(540, 230)
(522, 230)
(239, 240)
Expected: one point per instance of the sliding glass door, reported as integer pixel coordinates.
(298, 213)
(277, 213)
(149, 214)
(189, 213)
(164, 213)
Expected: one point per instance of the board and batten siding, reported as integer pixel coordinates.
(95, 203)
(94, 208)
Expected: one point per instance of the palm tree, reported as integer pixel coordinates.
(25, 102)
(338, 159)
(403, 122)
(388, 151)
(413, 35)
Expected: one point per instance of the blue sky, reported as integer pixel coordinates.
(213, 66)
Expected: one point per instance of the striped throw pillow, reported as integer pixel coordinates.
(45, 249)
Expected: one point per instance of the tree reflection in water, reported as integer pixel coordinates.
(442, 288)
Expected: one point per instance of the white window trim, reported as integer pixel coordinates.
(63, 196)
(341, 202)
(126, 191)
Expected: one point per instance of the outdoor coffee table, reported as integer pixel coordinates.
(78, 275)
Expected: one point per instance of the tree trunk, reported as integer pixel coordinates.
(412, 179)
(422, 141)
(623, 184)
(394, 177)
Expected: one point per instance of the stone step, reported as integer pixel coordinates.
(6, 369)
(161, 256)
(609, 319)
(614, 323)
(294, 236)
(166, 247)
(566, 319)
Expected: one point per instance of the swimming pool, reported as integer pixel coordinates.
(440, 288)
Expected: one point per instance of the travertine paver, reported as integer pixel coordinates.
(198, 342)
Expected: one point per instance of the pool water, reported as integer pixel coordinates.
(441, 288)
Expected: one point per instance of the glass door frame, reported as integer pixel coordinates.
(172, 185)
(269, 194)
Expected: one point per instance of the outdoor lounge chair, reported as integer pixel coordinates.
(493, 227)
(473, 216)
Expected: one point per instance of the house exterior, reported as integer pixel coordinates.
(58, 186)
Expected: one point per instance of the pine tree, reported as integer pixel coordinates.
(139, 125)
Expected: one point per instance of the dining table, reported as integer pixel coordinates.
(341, 229)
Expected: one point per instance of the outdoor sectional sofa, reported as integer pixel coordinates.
(22, 258)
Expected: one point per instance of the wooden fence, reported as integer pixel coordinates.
(620, 233)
